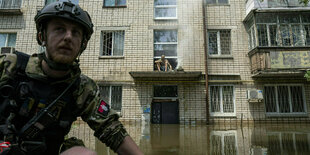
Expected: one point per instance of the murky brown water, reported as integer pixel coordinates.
(249, 139)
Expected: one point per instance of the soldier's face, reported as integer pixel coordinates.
(63, 41)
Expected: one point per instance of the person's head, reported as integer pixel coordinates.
(162, 57)
(64, 29)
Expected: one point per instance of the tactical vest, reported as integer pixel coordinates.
(32, 95)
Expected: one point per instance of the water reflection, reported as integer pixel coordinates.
(251, 139)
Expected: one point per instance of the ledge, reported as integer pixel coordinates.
(279, 73)
(220, 57)
(166, 76)
(11, 11)
(111, 57)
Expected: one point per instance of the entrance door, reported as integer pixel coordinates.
(165, 112)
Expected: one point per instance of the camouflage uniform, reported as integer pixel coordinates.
(86, 101)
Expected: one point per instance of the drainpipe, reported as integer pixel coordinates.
(204, 9)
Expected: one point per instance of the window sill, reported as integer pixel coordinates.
(107, 7)
(111, 57)
(223, 115)
(221, 57)
(218, 4)
(159, 19)
(286, 115)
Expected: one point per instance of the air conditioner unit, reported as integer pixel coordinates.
(255, 94)
(7, 50)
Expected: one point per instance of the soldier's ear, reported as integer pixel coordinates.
(40, 37)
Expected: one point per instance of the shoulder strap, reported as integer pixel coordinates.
(22, 60)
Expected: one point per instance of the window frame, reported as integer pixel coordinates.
(7, 39)
(277, 113)
(166, 43)
(300, 35)
(115, 5)
(218, 38)
(101, 53)
(11, 6)
(217, 3)
(73, 1)
(167, 7)
(110, 97)
(221, 113)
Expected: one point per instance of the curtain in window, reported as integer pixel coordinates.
(165, 2)
(213, 47)
(11, 40)
(285, 34)
(2, 39)
(296, 34)
(105, 93)
(121, 2)
(49, 1)
(109, 2)
(307, 34)
(165, 12)
(118, 46)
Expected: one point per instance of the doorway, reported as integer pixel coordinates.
(165, 112)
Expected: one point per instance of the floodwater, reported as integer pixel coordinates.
(246, 139)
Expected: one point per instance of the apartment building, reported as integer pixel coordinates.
(254, 53)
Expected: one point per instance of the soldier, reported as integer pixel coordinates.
(43, 94)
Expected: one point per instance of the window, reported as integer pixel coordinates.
(283, 99)
(112, 43)
(51, 1)
(222, 101)
(165, 91)
(114, 3)
(219, 42)
(223, 143)
(9, 4)
(217, 1)
(7, 39)
(165, 43)
(279, 30)
(113, 96)
(165, 9)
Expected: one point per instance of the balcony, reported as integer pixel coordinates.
(279, 62)
(273, 5)
(166, 76)
(10, 7)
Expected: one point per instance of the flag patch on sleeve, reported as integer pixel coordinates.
(103, 108)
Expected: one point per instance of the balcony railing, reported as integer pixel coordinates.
(10, 4)
(279, 60)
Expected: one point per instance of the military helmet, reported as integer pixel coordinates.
(67, 10)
